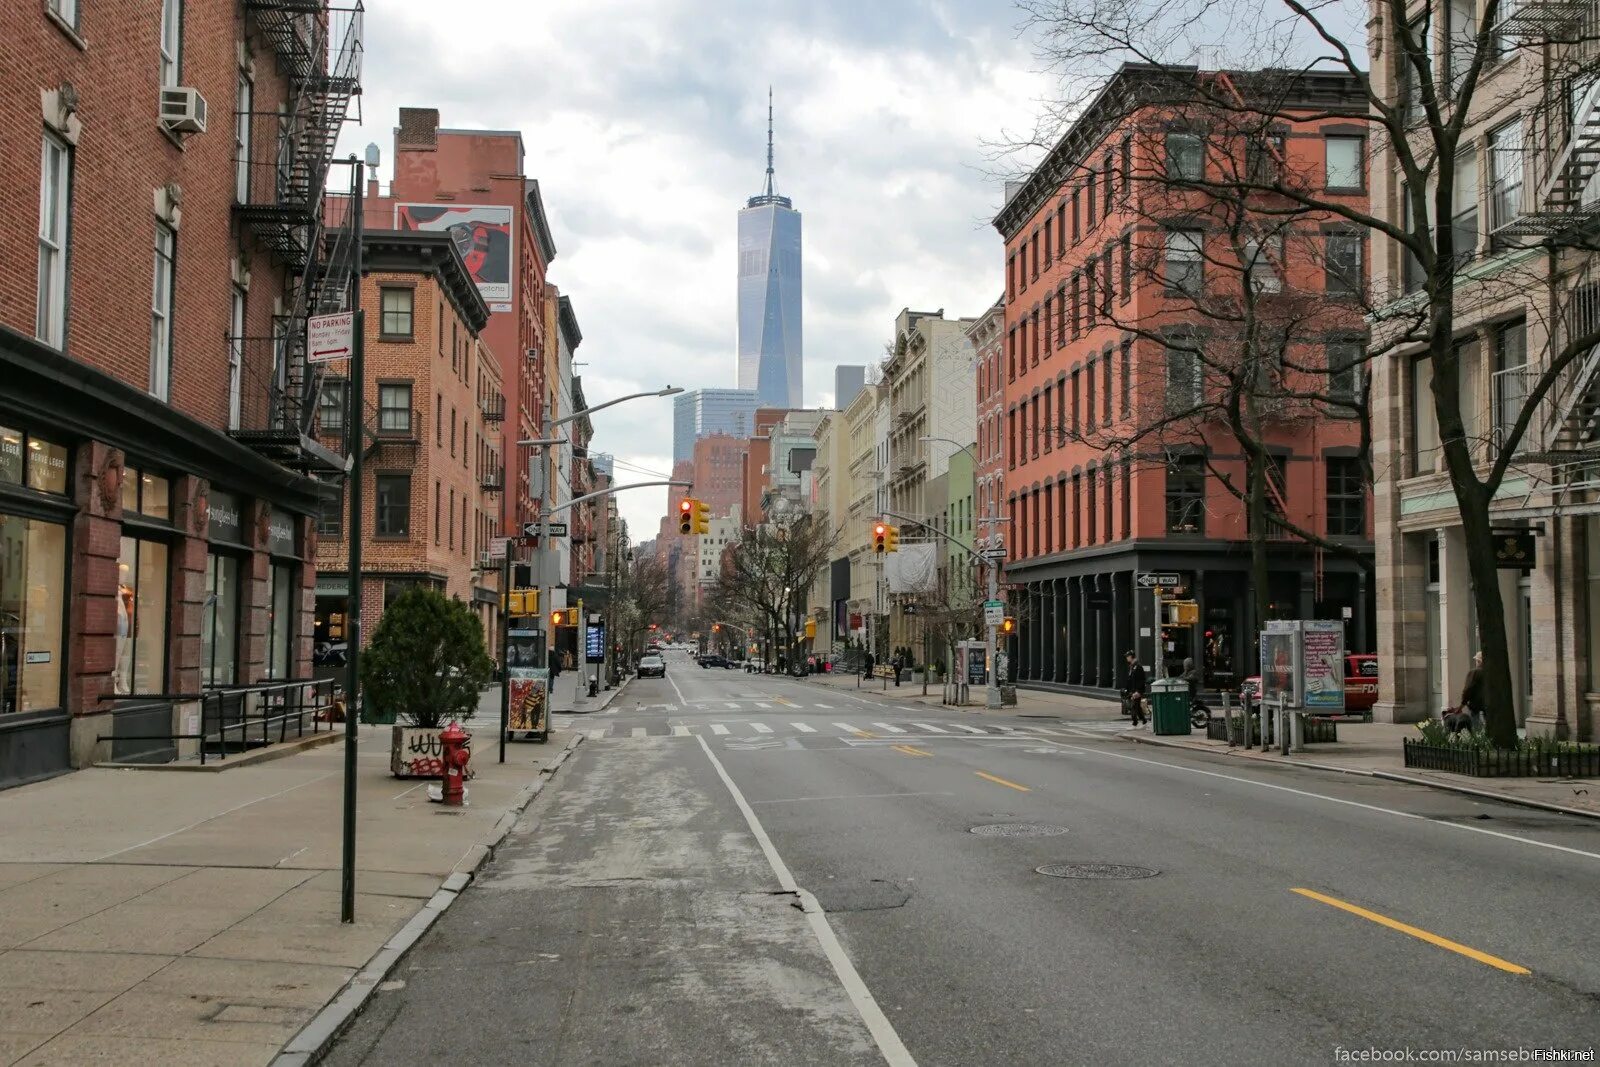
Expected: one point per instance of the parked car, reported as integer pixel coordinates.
(710, 659)
(651, 664)
(755, 666)
(1360, 683)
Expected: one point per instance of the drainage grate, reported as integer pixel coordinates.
(1096, 871)
(1017, 829)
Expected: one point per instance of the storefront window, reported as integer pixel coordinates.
(10, 455)
(33, 556)
(146, 494)
(219, 631)
(141, 617)
(45, 466)
(280, 583)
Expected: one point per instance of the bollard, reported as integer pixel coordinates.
(1282, 725)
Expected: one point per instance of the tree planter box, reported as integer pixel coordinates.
(1563, 761)
(415, 752)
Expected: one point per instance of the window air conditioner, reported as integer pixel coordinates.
(183, 109)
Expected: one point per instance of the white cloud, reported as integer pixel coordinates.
(644, 121)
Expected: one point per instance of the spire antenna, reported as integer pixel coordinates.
(770, 190)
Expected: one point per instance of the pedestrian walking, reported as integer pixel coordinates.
(1472, 702)
(866, 667)
(1191, 677)
(1134, 686)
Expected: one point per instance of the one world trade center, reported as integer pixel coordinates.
(769, 294)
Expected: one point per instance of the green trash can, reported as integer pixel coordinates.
(1169, 700)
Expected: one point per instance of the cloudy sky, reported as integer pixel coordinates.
(644, 122)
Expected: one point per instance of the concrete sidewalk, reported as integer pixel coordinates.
(1373, 749)
(172, 918)
(1068, 706)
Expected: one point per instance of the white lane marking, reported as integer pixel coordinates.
(968, 729)
(675, 689)
(638, 731)
(761, 728)
(680, 730)
(803, 728)
(764, 707)
(719, 729)
(891, 729)
(1333, 800)
(733, 706)
(850, 796)
(596, 735)
(847, 728)
(824, 707)
(932, 729)
(894, 1051)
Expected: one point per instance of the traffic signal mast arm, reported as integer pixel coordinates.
(968, 549)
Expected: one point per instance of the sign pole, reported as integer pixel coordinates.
(354, 428)
(505, 648)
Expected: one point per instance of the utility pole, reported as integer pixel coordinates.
(355, 427)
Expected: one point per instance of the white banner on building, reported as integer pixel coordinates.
(913, 569)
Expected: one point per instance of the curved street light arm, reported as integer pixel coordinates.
(613, 489)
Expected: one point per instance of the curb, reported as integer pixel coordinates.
(1448, 787)
(317, 1036)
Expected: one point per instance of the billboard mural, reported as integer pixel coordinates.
(482, 234)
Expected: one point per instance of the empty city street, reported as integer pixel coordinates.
(740, 868)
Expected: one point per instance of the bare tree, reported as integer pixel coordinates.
(1420, 129)
(768, 572)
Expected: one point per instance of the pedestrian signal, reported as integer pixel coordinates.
(1008, 625)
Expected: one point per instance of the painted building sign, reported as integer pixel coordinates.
(482, 234)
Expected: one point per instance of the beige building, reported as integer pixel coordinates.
(1522, 179)
(867, 413)
(827, 602)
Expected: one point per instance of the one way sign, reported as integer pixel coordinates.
(1151, 579)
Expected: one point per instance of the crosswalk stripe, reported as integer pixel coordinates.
(1046, 730)
(887, 727)
(719, 729)
(847, 728)
(761, 728)
(968, 729)
(803, 728)
(595, 735)
(680, 730)
(764, 707)
(930, 728)
(638, 731)
(825, 707)
(733, 706)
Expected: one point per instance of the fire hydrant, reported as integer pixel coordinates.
(453, 741)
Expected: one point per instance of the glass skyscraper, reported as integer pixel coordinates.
(703, 412)
(769, 294)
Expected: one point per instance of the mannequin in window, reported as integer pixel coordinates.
(123, 670)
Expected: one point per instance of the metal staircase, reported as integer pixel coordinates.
(318, 46)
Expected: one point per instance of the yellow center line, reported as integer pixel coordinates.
(786, 703)
(908, 750)
(1002, 781)
(1422, 935)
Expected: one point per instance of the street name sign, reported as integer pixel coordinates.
(1152, 579)
(330, 337)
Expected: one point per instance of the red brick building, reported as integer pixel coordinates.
(1120, 251)
(718, 471)
(156, 468)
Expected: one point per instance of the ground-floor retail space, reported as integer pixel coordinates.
(379, 588)
(145, 560)
(1077, 615)
(1550, 599)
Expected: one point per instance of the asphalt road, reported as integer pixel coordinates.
(738, 869)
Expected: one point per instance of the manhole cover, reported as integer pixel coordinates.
(1096, 871)
(1017, 829)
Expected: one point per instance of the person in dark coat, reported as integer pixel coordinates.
(1472, 701)
(1134, 686)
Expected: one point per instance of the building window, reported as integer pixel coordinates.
(394, 408)
(1505, 173)
(65, 10)
(1105, 386)
(1347, 497)
(331, 405)
(1090, 480)
(1186, 494)
(1110, 185)
(1127, 267)
(1263, 155)
(280, 619)
(146, 494)
(1185, 156)
(219, 628)
(1127, 378)
(236, 321)
(1424, 419)
(1511, 376)
(437, 511)
(1263, 258)
(1344, 372)
(1091, 410)
(1076, 409)
(1075, 232)
(1342, 159)
(1411, 272)
(55, 184)
(1077, 307)
(397, 304)
(171, 42)
(1464, 206)
(1184, 379)
(1127, 497)
(1185, 268)
(1091, 279)
(394, 506)
(33, 599)
(241, 139)
(1089, 202)
(330, 516)
(1461, 37)
(161, 311)
(1342, 264)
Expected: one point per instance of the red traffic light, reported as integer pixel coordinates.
(879, 529)
(685, 505)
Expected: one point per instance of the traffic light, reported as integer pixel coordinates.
(1008, 626)
(702, 517)
(652, 626)
(558, 616)
(1182, 613)
(521, 602)
(880, 538)
(891, 539)
(716, 627)
(811, 629)
(686, 515)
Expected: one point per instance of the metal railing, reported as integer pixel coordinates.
(277, 705)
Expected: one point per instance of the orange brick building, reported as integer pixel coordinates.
(157, 480)
(433, 468)
(1120, 250)
(718, 471)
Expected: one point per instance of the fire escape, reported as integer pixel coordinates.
(318, 48)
